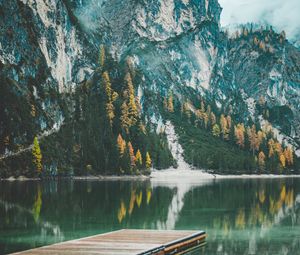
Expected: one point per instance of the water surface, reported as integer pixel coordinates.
(257, 216)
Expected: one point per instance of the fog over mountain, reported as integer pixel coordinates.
(283, 15)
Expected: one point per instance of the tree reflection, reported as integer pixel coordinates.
(240, 217)
(251, 220)
(36, 210)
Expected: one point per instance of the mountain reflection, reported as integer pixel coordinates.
(240, 216)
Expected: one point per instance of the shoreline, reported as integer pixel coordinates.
(257, 176)
(155, 175)
(81, 178)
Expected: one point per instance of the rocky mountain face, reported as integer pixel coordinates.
(49, 47)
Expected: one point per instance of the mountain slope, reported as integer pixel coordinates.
(49, 50)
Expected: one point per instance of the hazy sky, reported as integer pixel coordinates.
(282, 14)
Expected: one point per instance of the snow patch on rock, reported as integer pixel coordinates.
(175, 147)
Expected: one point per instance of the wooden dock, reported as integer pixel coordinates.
(127, 242)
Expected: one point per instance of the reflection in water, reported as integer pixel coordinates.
(136, 198)
(37, 204)
(240, 216)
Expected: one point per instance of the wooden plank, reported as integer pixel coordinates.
(127, 242)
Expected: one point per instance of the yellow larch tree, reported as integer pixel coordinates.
(111, 97)
(148, 161)
(216, 130)
(138, 159)
(37, 155)
(261, 161)
(121, 143)
(132, 107)
(125, 119)
(224, 127)
(278, 148)
(129, 109)
(239, 132)
(282, 160)
(131, 155)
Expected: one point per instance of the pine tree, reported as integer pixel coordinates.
(165, 102)
(216, 130)
(138, 159)
(37, 155)
(148, 161)
(282, 36)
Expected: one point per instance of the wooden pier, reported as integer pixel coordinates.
(127, 242)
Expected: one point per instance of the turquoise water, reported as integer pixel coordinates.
(257, 216)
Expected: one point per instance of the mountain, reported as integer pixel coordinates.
(50, 70)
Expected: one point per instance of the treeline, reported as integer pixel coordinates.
(260, 148)
(264, 39)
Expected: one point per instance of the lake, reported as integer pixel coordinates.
(241, 216)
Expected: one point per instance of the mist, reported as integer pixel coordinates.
(281, 14)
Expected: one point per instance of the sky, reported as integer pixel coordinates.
(281, 14)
